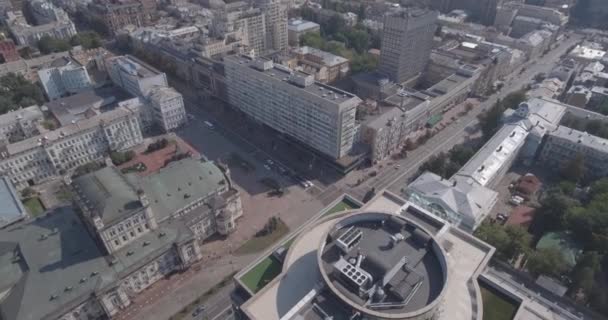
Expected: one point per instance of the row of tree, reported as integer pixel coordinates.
(86, 39)
(447, 164)
(490, 121)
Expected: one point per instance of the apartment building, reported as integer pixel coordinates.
(325, 66)
(297, 28)
(117, 15)
(407, 40)
(411, 110)
(164, 106)
(39, 158)
(563, 145)
(319, 116)
(28, 35)
(63, 80)
(8, 51)
(276, 24)
(44, 12)
(134, 76)
(167, 107)
(21, 124)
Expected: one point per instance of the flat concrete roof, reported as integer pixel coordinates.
(409, 269)
(280, 73)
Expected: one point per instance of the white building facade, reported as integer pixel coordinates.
(62, 81)
(57, 152)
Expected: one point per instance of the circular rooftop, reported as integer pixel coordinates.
(384, 266)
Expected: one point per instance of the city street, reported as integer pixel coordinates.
(220, 140)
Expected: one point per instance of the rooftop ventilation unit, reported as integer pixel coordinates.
(359, 277)
(349, 239)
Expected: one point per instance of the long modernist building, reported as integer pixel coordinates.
(317, 115)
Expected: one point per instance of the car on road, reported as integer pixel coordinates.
(208, 124)
(282, 170)
(199, 310)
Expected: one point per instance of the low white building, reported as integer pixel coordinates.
(64, 80)
(167, 108)
(164, 106)
(467, 197)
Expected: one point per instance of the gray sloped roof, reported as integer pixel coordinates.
(469, 200)
(179, 184)
(66, 257)
(109, 193)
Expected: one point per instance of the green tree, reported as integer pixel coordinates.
(509, 241)
(586, 270)
(551, 215)
(574, 170)
(490, 120)
(548, 261)
(460, 154)
(312, 40)
(87, 39)
(48, 45)
(513, 99)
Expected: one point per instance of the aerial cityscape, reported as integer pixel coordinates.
(304, 159)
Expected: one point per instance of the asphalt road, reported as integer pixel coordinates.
(458, 131)
(218, 306)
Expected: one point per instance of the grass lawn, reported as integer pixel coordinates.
(261, 274)
(341, 206)
(33, 206)
(258, 244)
(496, 306)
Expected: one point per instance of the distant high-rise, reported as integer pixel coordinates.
(406, 42)
(276, 24)
(483, 11)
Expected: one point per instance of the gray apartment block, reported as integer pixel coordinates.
(565, 144)
(407, 40)
(320, 116)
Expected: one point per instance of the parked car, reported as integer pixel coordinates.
(501, 217)
(208, 124)
(266, 167)
(197, 311)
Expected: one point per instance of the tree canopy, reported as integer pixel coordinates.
(49, 44)
(547, 261)
(16, 92)
(509, 241)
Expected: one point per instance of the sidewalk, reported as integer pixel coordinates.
(168, 296)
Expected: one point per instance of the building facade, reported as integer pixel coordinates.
(20, 124)
(59, 82)
(298, 27)
(564, 145)
(326, 67)
(319, 116)
(276, 24)
(57, 152)
(163, 105)
(115, 16)
(28, 35)
(167, 108)
(407, 40)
